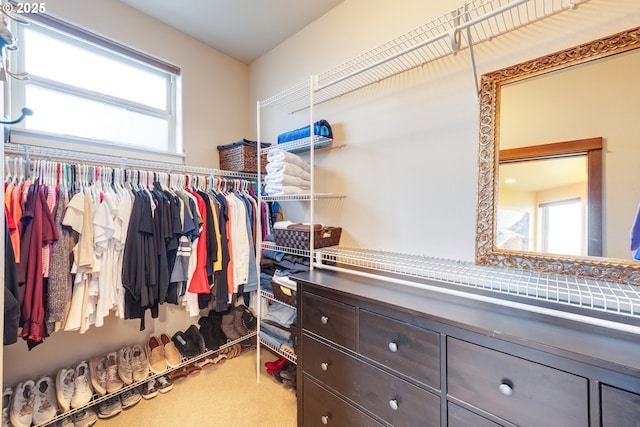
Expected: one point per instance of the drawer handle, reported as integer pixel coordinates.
(393, 347)
(324, 320)
(393, 403)
(324, 366)
(325, 419)
(506, 387)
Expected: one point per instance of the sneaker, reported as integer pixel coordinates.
(22, 404)
(85, 418)
(45, 406)
(110, 407)
(164, 384)
(139, 363)
(149, 390)
(171, 353)
(98, 373)
(155, 354)
(65, 388)
(130, 397)
(7, 394)
(83, 391)
(114, 383)
(125, 371)
(65, 422)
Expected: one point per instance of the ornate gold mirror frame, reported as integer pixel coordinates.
(615, 270)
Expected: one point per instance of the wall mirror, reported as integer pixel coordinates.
(558, 140)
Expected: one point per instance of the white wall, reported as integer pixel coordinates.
(215, 104)
(409, 166)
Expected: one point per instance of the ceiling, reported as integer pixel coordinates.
(242, 29)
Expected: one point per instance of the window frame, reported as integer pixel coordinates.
(15, 93)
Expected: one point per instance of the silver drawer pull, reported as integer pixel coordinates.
(324, 320)
(506, 388)
(325, 419)
(324, 366)
(393, 347)
(393, 403)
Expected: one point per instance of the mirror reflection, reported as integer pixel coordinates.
(594, 98)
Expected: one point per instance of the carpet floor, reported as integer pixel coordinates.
(225, 395)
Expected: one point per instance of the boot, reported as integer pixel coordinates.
(228, 325)
(206, 330)
(216, 328)
(238, 324)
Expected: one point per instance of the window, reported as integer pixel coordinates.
(83, 87)
(562, 227)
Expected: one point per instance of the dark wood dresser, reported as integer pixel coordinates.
(373, 353)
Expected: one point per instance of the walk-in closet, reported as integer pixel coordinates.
(347, 213)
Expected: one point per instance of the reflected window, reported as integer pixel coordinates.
(561, 227)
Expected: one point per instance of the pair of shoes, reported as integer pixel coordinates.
(279, 364)
(286, 376)
(110, 407)
(98, 373)
(130, 397)
(21, 411)
(139, 363)
(155, 355)
(45, 405)
(193, 369)
(232, 351)
(7, 394)
(65, 422)
(85, 418)
(114, 383)
(178, 374)
(189, 343)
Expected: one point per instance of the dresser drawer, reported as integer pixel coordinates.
(394, 400)
(330, 319)
(322, 408)
(460, 417)
(620, 408)
(412, 351)
(520, 391)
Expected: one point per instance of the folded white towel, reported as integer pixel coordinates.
(282, 225)
(277, 155)
(287, 169)
(279, 190)
(282, 179)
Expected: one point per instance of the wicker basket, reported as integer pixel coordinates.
(241, 156)
(296, 239)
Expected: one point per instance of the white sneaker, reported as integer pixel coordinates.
(125, 371)
(22, 404)
(85, 418)
(130, 397)
(7, 394)
(110, 407)
(139, 363)
(114, 383)
(65, 387)
(83, 391)
(45, 406)
(163, 384)
(98, 373)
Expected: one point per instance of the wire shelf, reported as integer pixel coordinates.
(610, 297)
(301, 197)
(442, 36)
(293, 251)
(287, 355)
(269, 295)
(299, 145)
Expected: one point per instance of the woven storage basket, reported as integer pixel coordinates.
(327, 236)
(281, 293)
(241, 156)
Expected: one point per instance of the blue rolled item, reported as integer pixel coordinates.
(321, 128)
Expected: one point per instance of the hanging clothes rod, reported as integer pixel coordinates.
(122, 162)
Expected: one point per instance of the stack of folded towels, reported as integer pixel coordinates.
(287, 173)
